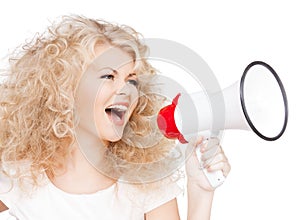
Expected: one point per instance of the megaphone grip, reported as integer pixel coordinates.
(215, 178)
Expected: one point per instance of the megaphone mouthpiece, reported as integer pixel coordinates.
(257, 102)
(166, 121)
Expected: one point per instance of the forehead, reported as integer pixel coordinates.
(109, 56)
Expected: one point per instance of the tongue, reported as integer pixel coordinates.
(117, 114)
(117, 117)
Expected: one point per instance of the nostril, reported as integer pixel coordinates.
(121, 93)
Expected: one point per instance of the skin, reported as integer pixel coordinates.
(3, 207)
(115, 82)
(199, 191)
(110, 79)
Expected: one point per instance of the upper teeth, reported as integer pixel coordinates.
(118, 107)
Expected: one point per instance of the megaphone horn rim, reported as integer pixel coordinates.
(284, 96)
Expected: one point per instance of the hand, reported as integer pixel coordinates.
(212, 159)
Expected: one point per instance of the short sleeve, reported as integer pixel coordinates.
(7, 192)
(161, 195)
(6, 216)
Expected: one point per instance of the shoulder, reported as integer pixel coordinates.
(11, 191)
(8, 192)
(150, 196)
(161, 195)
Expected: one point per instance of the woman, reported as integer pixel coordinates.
(75, 118)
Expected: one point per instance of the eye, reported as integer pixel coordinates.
(133, 82)
(107, 76)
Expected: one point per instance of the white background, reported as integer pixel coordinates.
(264, 182)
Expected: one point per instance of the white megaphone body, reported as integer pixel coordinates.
(256, 102)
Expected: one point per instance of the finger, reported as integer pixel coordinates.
(224, 166)
(211, 143)
(191, 155)
(219, 157)
(199, 141)
(195, 143)
(210, 153)
(210, 147)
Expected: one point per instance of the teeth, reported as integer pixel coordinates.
(118, 107)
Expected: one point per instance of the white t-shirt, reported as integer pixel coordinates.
(120, 201)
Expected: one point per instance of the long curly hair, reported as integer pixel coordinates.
(37, 102)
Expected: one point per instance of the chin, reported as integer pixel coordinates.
(114, 137)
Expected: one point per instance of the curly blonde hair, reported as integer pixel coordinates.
(37, 99)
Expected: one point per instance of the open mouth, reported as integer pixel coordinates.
(116, 114)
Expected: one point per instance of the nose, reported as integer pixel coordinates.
(122, 88)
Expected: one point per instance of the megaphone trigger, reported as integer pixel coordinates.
(215, 178)
(256, 102)
(199, 106)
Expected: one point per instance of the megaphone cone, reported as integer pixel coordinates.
(257, 102)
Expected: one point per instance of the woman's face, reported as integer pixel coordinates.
(107, 94)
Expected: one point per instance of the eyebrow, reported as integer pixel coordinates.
(132, 74)
(116, 72)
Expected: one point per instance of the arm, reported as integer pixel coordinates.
(168, 211)
(199, 203)
(199, 191)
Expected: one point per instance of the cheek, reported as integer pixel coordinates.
(133, 107)
(100, 103)
(134, 99)
(104, 94)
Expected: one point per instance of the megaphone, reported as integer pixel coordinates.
(256, 102)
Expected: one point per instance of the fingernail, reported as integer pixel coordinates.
(202, 148)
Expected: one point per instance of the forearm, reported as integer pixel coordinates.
(3, 207)
(199, 202)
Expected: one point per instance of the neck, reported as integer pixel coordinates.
(80, 174)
